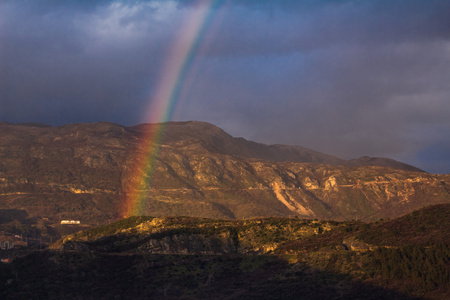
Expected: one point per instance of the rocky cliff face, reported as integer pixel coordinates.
(85, 171)
(241, 189)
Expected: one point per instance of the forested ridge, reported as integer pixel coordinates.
(272, 258)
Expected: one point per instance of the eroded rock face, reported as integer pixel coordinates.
(261, 188)
(85, 171)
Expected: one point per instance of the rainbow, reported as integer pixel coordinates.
(171, 82)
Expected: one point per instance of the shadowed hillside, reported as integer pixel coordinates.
(269, 258)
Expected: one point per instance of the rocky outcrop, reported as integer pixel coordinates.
(191, 244)
(261, 188)
(193, 236)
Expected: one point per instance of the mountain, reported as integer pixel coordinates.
(382, 162)
(85, 171)
(218, 141)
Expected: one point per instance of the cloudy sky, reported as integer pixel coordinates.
(348, 78)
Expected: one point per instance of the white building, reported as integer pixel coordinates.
(65, 222)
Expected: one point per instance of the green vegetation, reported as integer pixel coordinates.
(423, 269)
(427, 226)
(270, 258)
(82, 275)
(243, 236)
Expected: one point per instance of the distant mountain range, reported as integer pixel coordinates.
(85, 171)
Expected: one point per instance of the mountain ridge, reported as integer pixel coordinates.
(243, 148)
(85, 171)
(220, 141)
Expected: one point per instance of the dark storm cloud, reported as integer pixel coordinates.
(349, 78)
(61, 65)
(278, 27)
(345, 78)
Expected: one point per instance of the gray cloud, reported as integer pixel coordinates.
(349, 78)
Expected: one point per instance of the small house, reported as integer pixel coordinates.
(66, 222)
